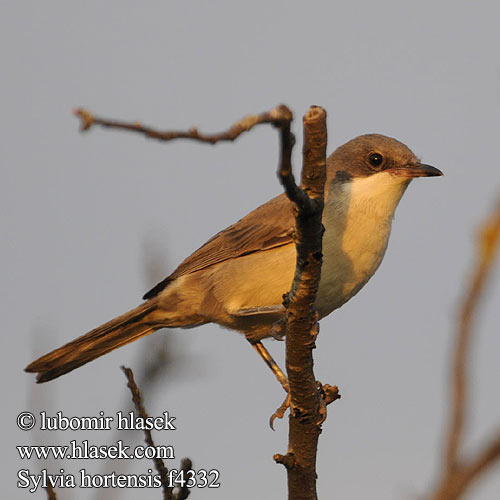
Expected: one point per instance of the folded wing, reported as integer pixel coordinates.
(267, 227)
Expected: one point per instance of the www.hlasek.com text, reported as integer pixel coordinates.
(85, 450)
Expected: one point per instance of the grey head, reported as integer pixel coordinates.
(370, 154)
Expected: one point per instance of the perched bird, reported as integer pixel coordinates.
(237, 279)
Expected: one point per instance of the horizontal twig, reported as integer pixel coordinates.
(278, 116)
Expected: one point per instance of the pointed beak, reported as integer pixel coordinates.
(419, 170)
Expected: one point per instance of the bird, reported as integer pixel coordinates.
(237, 279)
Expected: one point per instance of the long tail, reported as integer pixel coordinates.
(115, 333)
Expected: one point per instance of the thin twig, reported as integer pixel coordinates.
(51, 494)
(137, 400)
(485, 458)
(458, 473)
(183, 491)
(278, 116)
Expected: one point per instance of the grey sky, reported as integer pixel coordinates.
(78, 212)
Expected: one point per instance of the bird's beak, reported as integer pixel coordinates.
(418, 170)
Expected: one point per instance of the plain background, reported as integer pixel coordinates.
(82, 215)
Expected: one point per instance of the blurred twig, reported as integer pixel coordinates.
(169, 493)
(51, 494)
(157, 358)
(136, 398)
(459, 473)
(183, 491)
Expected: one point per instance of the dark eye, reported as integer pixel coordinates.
(376, 159)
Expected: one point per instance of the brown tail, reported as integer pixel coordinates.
(103, 339)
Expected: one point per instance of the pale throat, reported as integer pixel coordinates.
(357, 219)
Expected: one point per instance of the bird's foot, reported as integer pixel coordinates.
(328, 394)
(280, 412)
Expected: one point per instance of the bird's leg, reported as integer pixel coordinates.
(268, 359)
(282, 379)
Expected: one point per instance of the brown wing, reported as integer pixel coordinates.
(266, 227)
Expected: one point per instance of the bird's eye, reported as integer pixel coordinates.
(376, 159)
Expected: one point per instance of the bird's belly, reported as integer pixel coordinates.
(349, 262)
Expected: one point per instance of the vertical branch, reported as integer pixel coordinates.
(301, 319)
